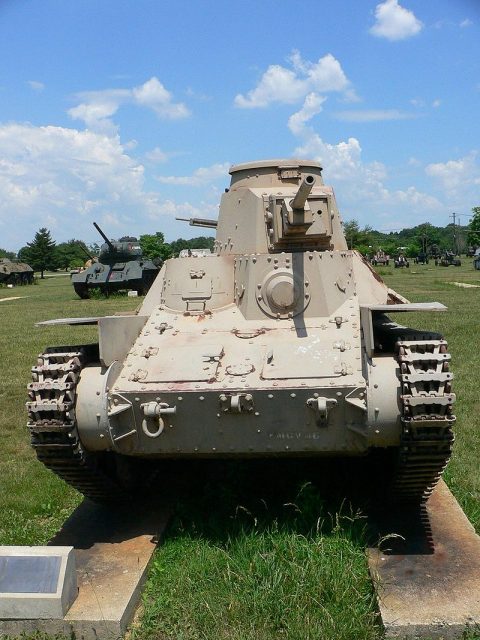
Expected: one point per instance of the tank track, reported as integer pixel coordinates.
(427, 419)
(53, 427)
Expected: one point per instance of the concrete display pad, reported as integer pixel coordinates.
(428, 584)
(37, 582)
(113, 548)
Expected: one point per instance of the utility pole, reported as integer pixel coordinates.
(455, 248)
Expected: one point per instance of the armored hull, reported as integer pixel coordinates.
(132, 275)
(277, 345)
(14, 272)
(119, 266)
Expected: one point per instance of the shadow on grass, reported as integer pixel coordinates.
(222, 498)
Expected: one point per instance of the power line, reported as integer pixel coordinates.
(453, 215)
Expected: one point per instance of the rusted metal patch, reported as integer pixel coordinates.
(427, 571)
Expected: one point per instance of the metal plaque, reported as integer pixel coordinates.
(29, 574)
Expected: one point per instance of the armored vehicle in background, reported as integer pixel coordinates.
(120, 266)
(279, 344)
(401, 261)
(15, 272)
(381, 258)
(449, 259)
(421, 258)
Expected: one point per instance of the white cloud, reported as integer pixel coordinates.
(457, 176)
(394, 22)
(311, 107)
(153, 94)
(200, 177)
(436, 103)
(362, 184)
(35, 85)
(466, 23)
(157, 155)
(97, 107)
(64, 178)
(290, 86)
(373, 115)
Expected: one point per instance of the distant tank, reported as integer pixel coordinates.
(449, 259)
(15, 272)
(119, 266)
(421, 258)
(400, 261)
(279, 344)
(381, 258)
(476, 260)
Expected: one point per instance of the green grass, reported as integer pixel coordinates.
(34, 502)
(250, 554)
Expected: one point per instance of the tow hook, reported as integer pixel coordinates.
(154, 411)
(321, 406)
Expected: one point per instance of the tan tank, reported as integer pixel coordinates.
(279, 344)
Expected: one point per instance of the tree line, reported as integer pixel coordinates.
(424, 237)
(44, 254)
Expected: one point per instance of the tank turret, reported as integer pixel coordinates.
(279, 344)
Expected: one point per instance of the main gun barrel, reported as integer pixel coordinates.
(110, 245)
(200, 222)
(303, 192)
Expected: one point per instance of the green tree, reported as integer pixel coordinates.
(473, 237)
(357, 238)
(200, 242)
(71, 254)
(7, 254)
(40, 253)
(155, 247)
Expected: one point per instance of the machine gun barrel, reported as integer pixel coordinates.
(110, 245)
(200, 222)
(303, 192)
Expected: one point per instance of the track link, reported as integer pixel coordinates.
(427, 419)
(53, 427)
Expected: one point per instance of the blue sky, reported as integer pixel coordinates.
(129, 112)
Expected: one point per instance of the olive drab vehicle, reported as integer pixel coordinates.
(279, 344)
(119, 266)
(15, 272)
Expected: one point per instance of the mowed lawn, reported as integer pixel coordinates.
(249, 554)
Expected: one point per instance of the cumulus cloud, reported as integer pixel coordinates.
(97, 107)
(200, 177)
(291, 85)
(394, 22)
(64, 178)
(456, 176)
(363, 184)
(373, 115)
(311, 107)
